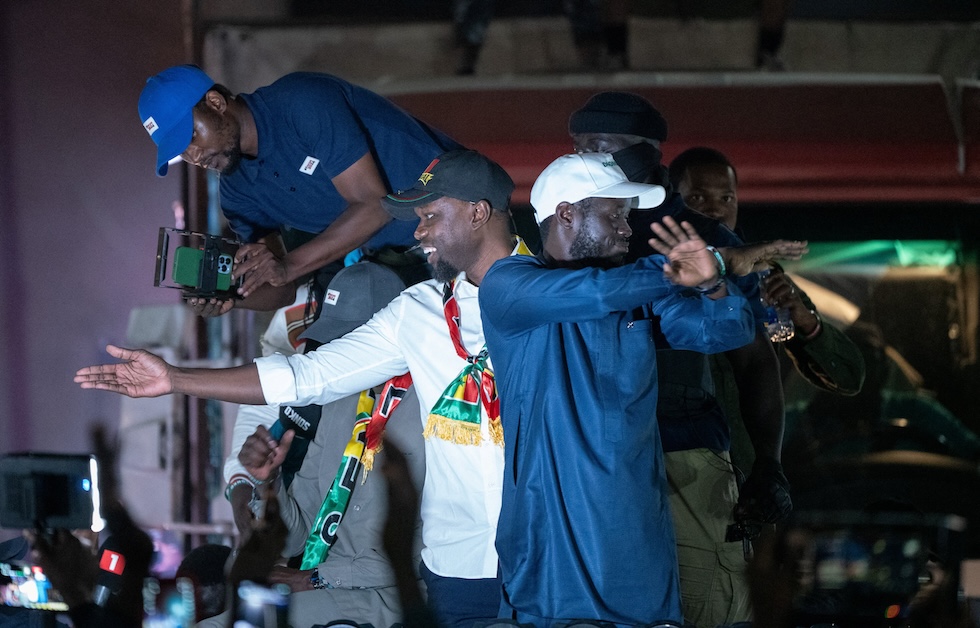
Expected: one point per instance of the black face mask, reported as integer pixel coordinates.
(641, 164)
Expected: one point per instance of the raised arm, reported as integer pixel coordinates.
(143, 374)
(751, 258)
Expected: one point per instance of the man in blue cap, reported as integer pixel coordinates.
(309, 156)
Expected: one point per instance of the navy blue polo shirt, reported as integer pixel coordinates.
(312, 127)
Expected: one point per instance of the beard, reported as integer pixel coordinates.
(587, 250)
(234, 157)
(585, 246)
(444, 271)
(234, 151)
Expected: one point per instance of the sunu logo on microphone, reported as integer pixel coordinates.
(113, 562)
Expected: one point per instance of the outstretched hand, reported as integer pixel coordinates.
(141, 374)
(751, 258)
(690, 263)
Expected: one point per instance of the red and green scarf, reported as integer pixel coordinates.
(365, 443)
(456, 417)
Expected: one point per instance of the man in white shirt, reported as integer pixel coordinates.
(434, 331)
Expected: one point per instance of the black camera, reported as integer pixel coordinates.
(45, 491)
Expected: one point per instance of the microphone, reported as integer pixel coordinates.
(112, 563)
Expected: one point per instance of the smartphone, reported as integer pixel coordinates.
(43, 490)
(187, 268)
(261, 606)
(25, 586)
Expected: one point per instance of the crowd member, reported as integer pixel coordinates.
(708, 183)
(571, 336)
(705, 501)
(434, 331)
(399, 542)
(73, 568)
(335, 516)
(822, 354)
(282, 335)
(309, 154)
(205, 567)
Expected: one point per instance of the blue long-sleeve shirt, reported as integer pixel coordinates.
(585, 529)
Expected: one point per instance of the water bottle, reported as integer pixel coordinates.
(779, 325)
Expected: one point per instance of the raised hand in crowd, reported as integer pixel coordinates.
(398, 537)
(69, 565)
(259, 552)
(74, 569)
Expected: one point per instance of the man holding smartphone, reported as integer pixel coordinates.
(304, 163)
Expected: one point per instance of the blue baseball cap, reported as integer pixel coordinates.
(167, 109)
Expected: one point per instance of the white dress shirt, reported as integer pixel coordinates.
(461, 498)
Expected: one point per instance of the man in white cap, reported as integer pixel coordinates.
(585, 530)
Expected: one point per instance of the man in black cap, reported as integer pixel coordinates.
(708, 509)
(433, 330)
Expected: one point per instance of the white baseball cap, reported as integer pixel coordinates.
(571, 178)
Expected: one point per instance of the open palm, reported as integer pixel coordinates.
(689, 261)
(140, 374)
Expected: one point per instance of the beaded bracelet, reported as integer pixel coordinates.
(721, 273)
(722, 269)
(237, 480)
